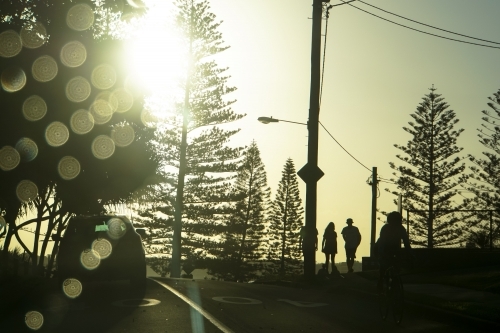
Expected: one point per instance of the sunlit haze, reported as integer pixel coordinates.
(376, 74)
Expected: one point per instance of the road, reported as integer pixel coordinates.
(180, 305)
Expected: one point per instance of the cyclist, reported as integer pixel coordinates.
(388, 246)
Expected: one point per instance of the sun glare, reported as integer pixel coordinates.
(156, 54)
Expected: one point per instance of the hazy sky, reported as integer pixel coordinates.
(375, 76)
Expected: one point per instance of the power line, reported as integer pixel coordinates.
(424, 32)
(343, 147)
(427, 25)
(324, 56)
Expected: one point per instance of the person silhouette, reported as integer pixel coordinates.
(329, 245)
(306, 236)
(352, 238)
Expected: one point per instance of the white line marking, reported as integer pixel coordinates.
(302, 304)
(195, 306)
(245, 300)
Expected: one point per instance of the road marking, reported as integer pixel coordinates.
(195, 306)
(302, 304)
(136, 302)
(245, 300)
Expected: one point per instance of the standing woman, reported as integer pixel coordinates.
(329, 245)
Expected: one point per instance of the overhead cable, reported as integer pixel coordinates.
(424, 32)
(427, 25)
(343, 147)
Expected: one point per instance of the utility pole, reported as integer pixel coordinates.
(311, 173)
(374, 211)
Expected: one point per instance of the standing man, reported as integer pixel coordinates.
(352, 238)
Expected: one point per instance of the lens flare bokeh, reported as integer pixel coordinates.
(116, 228)
(80, 17)
(56, 134)
(44, 69)
(72, 288)
(103, 77)
(124, 98)
(34, 108)
(81, 122)
(103, 147)
(34, 320)
(123, 135)
(27, 149)
(26, 191)
(148, 119)
(33, 35)
(78, 89)
(90, 259)
(103, 247)
(68, 168)
(101, 111)
(13, 79)
(10, 44)
(9, 158)
(73, 54)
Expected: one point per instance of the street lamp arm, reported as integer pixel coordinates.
(267, 120)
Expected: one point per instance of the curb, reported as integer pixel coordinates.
(466, 318)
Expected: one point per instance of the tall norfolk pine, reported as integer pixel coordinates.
(429, 174)
(485, 182)
(286, 221)
(244, 241)
(204, 183)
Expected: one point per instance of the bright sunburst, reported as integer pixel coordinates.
(156, 52)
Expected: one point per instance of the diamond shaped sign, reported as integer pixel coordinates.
(310, 173)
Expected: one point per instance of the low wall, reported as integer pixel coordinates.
(441, 259)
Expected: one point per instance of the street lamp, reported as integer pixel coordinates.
(267, 120)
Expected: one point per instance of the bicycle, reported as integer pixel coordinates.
(392, 295)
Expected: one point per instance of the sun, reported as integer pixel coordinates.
(156, 53)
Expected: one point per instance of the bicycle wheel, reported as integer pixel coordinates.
(397, 299)
(383, 296)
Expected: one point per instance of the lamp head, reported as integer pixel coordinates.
(267, 120)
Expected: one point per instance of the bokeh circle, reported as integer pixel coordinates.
(27, 149)
(9, 158)
(90, 259)
(44, 69)
(116, 228)
(26, 191)
(80, 17)
(78, 89)
(72, 288)
(34, 320)
(34, 108)
(103, 147)
(13, 79)
(73, 54)
(33, 35)
(103, 77)
(124, 98)
(68, 168)
(81, 121)
(123, 135)
(102, 111)
(56, 134)
(103, 247)
(10, 44)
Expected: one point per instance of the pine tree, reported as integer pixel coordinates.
(427, 180)
(197, 165)
(286, 221)
(485, 175)
(245, 242)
